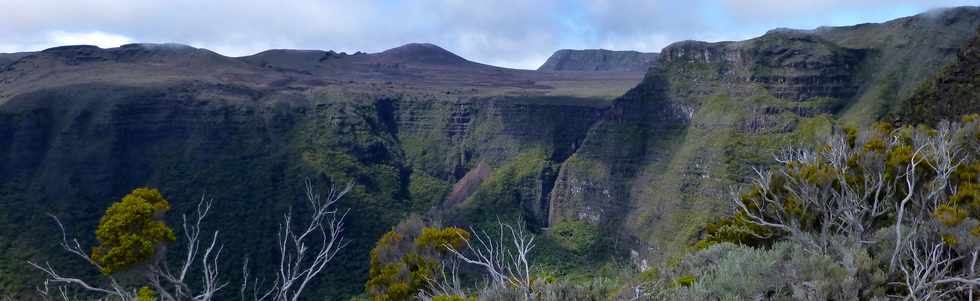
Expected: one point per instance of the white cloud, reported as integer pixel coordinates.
(97, 38)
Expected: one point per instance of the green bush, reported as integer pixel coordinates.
(452, 298)
(578, 237)
(132, 230)
(405, 259)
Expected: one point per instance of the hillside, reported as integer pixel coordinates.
(659, 164)
(951, 94)
(906, 52)
(641, 150)
(598, 60)
(7, 58)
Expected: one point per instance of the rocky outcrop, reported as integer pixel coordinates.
(698, 52)
(791, 65)
(465, 187)
(802, 66)
(599, 60)
(594, 185)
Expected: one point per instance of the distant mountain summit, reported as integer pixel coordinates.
(599, 60)
(423, 53)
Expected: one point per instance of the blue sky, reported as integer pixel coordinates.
(510, 33)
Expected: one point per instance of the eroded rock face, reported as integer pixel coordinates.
(599, 60)
(595, 184)
(791, 65)
(446, 136)
(698, 52)
(802, 66)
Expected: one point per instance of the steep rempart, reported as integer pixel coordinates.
(904, 53)
(72, 150)
(952, 93)
(599, 60)
(728, 106)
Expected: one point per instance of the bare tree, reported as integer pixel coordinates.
(506, 264)
(844, 207)
(171, 286)
(652, 290)
(304, 250)
(851, 198)
(447, 282)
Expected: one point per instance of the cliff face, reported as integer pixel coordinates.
(599, 60)
(951, 94)
(904, 53)
(82, 126)
(73, 150)
(658, 163)
(709, 112)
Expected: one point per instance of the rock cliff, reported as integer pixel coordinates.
(599, 60)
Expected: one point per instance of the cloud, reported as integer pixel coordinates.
(96, 38)
(511, 33)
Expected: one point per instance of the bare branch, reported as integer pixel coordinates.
(505, 265)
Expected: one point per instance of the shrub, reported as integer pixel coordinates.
(132, 230)
(834, 201)
(784, 271)
(452, 298)
(405, 259)
(146, 294)
(579, 237)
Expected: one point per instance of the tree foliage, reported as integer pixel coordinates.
(407, 258)
(132, 231)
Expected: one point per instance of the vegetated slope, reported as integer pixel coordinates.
(732, 105)
(952, 93)
(904, 53)
(81, 126)
(7, 58)
(598, 60)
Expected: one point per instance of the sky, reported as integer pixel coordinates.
(508, 33)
